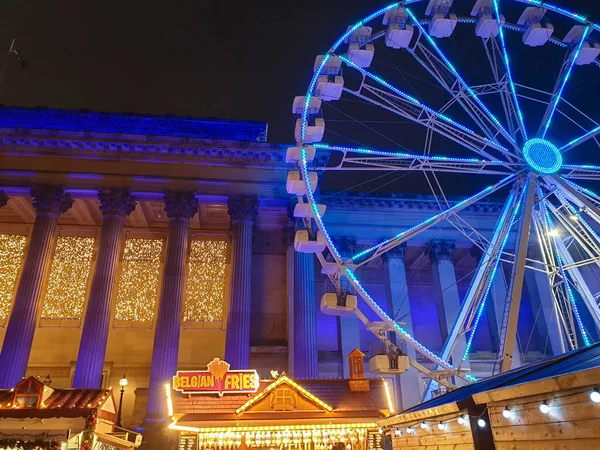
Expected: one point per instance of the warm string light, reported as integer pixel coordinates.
(12, 247)
(68, 280)
(273, 385)
(388, 395)
(169, 399)
(206, 282)
(138, 284)
(328, 426)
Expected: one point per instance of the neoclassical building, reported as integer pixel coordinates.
(141, 245)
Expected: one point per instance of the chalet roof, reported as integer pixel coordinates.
(58, 403)
(335, 393)
(574, 361)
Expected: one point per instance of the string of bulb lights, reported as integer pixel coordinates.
(412, 428)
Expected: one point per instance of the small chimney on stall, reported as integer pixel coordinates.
(357, 382)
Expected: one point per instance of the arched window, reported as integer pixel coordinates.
(28, 394)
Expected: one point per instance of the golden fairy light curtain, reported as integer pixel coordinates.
(68, 279)
(12, 247)
(205, 292)
(138, 283)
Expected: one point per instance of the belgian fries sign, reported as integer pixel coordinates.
(217, 379)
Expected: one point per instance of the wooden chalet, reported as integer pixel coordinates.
(550, 405)
(33, 415)
(286, 414)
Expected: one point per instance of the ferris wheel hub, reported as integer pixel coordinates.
(542, 156)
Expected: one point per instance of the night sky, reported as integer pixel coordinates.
(235, 60)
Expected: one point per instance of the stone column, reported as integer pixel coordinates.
(441, 254)
(290, 255)
(3, 199)
(180, 208)
(398, 308)
(115, 206)
(50, 202)
(349, 333)
(242, 212)
(306, 355)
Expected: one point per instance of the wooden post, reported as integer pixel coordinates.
(483, 439)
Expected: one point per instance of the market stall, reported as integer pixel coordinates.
(34, 416)
(226, 409)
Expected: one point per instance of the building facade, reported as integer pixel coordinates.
(141, 245)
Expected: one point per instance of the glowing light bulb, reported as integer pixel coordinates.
(481, 423)
(595, 396)
(398, 432)
(410, 430)
(461, 420)
(423, 425)
(441, 425)
(507, 413)
(553, 233)
(573, 217)
(544, 408)
(381, 431)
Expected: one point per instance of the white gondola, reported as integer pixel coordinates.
(294, 154)
(329, 88)
(314, 106)
(487, 26)
(443, 22)
(304, 210)
(443, 26)
(332, 66)
(338, 304)
(304, 244)
(384, 364)
(536, 34)
(399, 34)
(295, 186)
(589, 50)
(588, 54)
(314, 133)
(361, 56)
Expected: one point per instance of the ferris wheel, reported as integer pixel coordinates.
(449, 91)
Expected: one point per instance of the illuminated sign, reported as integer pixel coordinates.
(217, 379)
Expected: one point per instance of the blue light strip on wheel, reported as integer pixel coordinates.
(554, 8)
(563, 273)
(403, 155)
(456, 74)
(493, 276)
(509, 72)
(582, 189)
(580, 138)
(558, 96)
(433, 218)
(416, 102)
(577, 213)
(372, 303)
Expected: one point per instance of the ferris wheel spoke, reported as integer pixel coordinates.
(499, 60)
(383, 247)
(580, 196)
(573, 221)
(560, 302)
(473, 304)
(580, 140)
(577, 172)
(564, 257)
(394, 161)
(561, 83)
(408, 107)
(508, 331)
(440, 67)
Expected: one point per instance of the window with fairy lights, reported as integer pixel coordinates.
(28, 394)
(205, 293)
